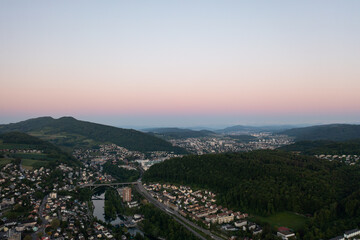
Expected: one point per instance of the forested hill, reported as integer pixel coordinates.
(69, 132)
(351, 147)
(332, 132)
(51, 155)
(176, 133)
(265, 182)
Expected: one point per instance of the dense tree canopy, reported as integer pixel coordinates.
(265, 182)
(121, 174)
(351, 147)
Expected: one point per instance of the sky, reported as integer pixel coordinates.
(181, 63)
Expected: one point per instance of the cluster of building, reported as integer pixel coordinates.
(111, 152)
(88, 175)
(200, 206)
(147, 163)
(68, 210)
(351, 234)
(28, 190)
(220, 144)
(347, 159)
(33, 151)
(104, 153)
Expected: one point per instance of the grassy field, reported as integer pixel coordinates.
(31, 164)
(4, 161)
(283, 219)
(35, 156)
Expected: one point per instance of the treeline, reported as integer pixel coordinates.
(265, 182)
(158, 224)
(113, 205)
(121, 174)
(53, 153)
(351, 147)
(334, 219)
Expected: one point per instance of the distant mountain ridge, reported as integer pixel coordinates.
(179, 132)
(254, 129)
(69, 132)
(332, 132)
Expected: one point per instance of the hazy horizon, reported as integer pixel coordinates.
(218, 122)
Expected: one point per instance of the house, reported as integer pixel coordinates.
(211, 219)
(240, 223)
(352, 233)
(225, 218)
(285, 234)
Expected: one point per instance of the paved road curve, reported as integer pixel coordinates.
(175, 215)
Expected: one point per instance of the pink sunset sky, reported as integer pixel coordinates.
(150, 63)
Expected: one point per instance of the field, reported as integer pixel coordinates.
(284, 219)
(30, 163)
(35, 156)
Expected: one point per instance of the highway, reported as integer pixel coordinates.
(185, 222)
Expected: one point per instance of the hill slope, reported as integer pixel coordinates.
(175, 133)
(332, 132)
(266, 182)
(351, 147)
(21, 145)
(252, 129)
(69, 132)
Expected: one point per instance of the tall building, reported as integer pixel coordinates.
(127, 194)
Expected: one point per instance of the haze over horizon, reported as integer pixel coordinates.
(181, 63)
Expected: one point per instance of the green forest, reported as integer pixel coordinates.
(351, 147)
(121, 174)
(159, 224)
(331, 132)
(265, 182)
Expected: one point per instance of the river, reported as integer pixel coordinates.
(100, 214)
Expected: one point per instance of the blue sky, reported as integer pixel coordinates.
(183, 63)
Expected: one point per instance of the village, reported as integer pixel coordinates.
(111, 152)
(27, 207)
(200, 207)
(230, 143)
(347, 159)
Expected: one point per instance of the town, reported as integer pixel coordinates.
(231, 143)
(54, 202)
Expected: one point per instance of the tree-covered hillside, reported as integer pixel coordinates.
(21, 142)
(69, 133)
(332, 132)
(351, 147)
(265, 182)
(176, 133)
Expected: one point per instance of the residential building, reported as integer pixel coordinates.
(127, 194)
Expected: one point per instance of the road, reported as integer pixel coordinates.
(185, 222)
(21, 168)
(44, 221)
